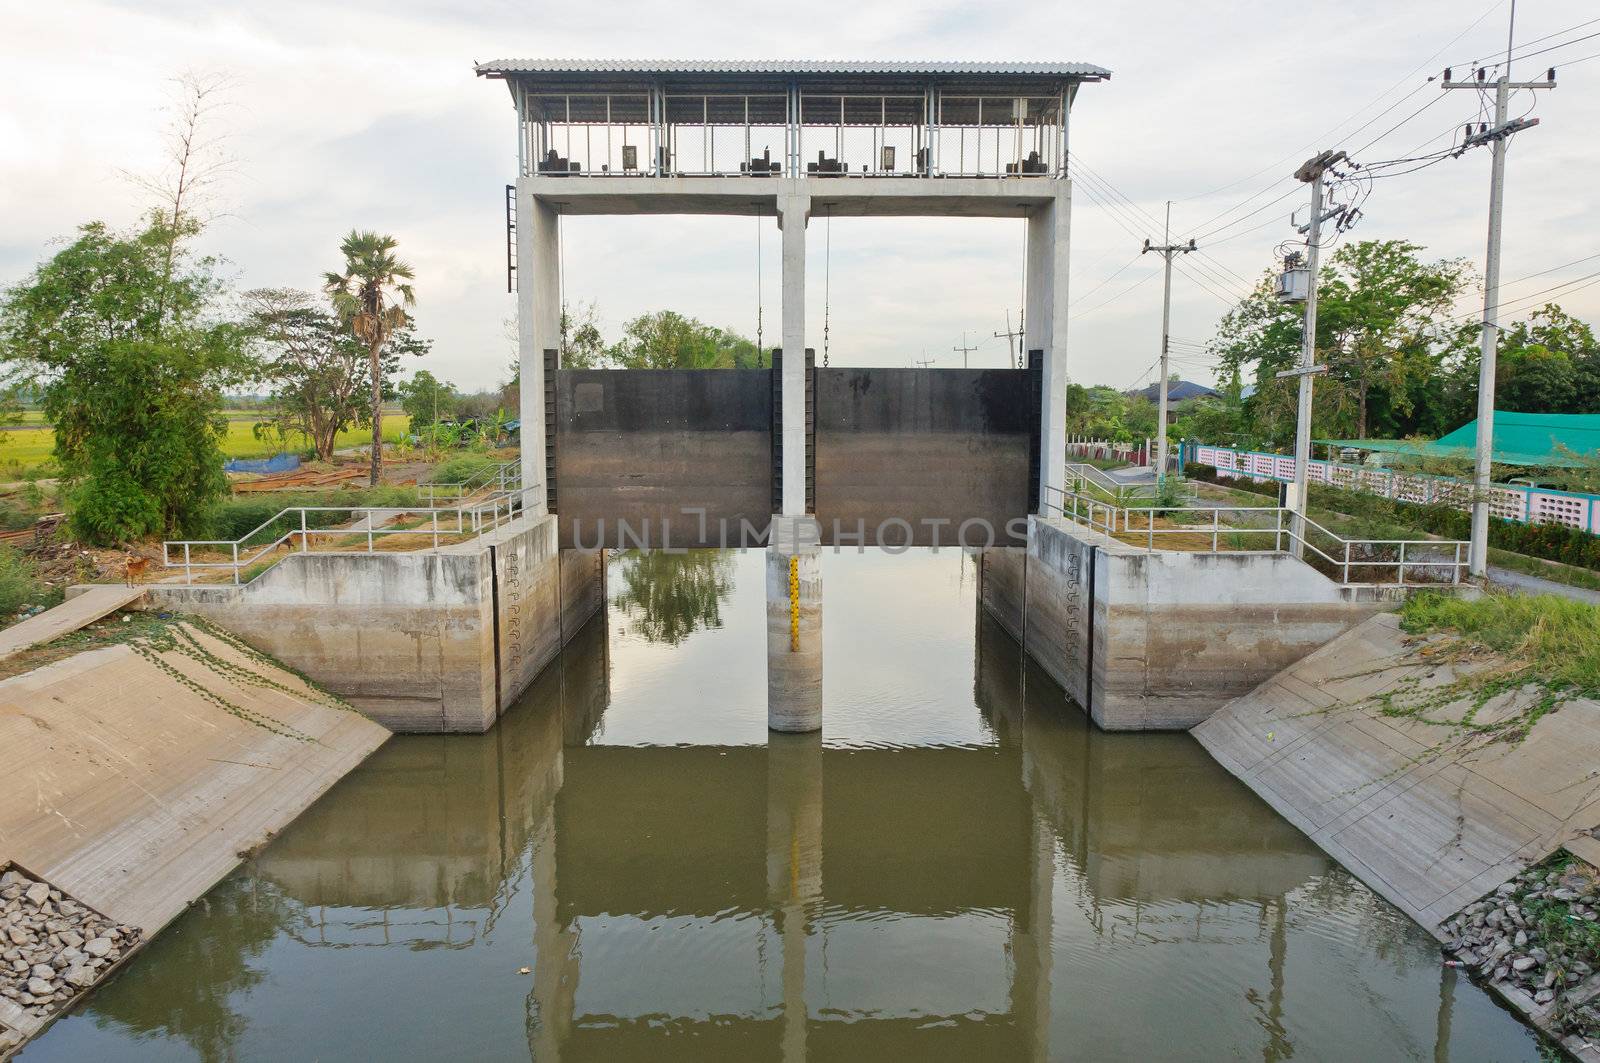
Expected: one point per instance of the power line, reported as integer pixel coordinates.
(1215, 270)
(1530, 299)
(1109, 279)
(1121, 216)
(1107, 302)
(1402, 80)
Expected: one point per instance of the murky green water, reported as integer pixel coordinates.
(961, 868)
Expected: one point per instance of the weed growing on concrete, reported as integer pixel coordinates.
(155, 647)
(1544, 647)
(312, 691)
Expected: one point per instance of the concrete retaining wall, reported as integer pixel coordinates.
(1160, 640)
(422, 642)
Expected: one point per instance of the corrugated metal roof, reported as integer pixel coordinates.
(783, 67)
(1553, 439)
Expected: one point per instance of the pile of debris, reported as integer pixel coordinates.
(1539, 933)
(51, 947)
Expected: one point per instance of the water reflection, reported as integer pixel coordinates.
(668, 597)
(959, 868)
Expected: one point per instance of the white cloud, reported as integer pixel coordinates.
(367, 115)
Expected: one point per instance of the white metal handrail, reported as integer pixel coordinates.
(1113, 519)
(241, 553)
(506, 477)
(1079, 473)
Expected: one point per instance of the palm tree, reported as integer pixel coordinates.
(371, 296)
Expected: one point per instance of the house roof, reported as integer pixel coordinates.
(653, 67)
(1180, 391)
(1542, 439)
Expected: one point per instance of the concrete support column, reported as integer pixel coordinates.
(555, 952)
(794, 867)
(794, 624)
(538, 328)
(794, 209)
(1049, 228)
(1031, 949)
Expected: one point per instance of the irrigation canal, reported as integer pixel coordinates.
(961, 867)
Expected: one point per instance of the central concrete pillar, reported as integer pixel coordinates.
(1049, 227)
(794, 867)
(538, 330)
(794, 209)
(794, 624)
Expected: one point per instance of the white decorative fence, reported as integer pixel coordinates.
(1528, 505)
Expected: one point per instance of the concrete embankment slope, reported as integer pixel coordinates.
(137, 775)
(1423, 812)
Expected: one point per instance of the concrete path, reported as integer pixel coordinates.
(1430, 828)
(135, 792)
(1133, 474)
(1528, 584)
(74, 613)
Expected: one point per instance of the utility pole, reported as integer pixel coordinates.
(964, 349)
(1311, 172)
(1167, 249)
(1496, 137)
(1008, 335)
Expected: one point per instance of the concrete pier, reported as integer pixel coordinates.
(794, 625)
(794, 867)
(1159, 640)
(427, 641)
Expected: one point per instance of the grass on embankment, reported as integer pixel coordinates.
(1544, 646)
(33, 449)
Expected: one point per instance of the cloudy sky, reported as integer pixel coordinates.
(368, 115)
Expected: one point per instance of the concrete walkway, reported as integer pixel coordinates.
(1429, 822)
(1133, 474)
(71, 615)
(1528, 584)
(135, 791)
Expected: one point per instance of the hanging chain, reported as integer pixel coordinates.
(827, 286)
(561, 287)
(760, 350)
(1022, 310)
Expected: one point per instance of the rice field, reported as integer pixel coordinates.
(28, 449)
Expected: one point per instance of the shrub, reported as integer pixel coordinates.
(18, 585)
(238, 516)
(1208, 474)
(461, 468)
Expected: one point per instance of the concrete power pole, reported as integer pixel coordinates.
(1311, 171)
(1496, 137)
(964, 350)
(1008, 335)
(1166, 250)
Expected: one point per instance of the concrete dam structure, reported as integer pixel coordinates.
(791, 456)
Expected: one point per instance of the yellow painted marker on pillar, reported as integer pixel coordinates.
(794, 605)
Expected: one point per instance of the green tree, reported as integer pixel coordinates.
(582, 346)
(428, 400)
(1381, 330)
(1219, 418)
(316, 368)
(667, 339)
(1548, 363)
(371, 296)
(131, 351)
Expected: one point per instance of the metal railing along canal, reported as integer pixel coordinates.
(1332, 553)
